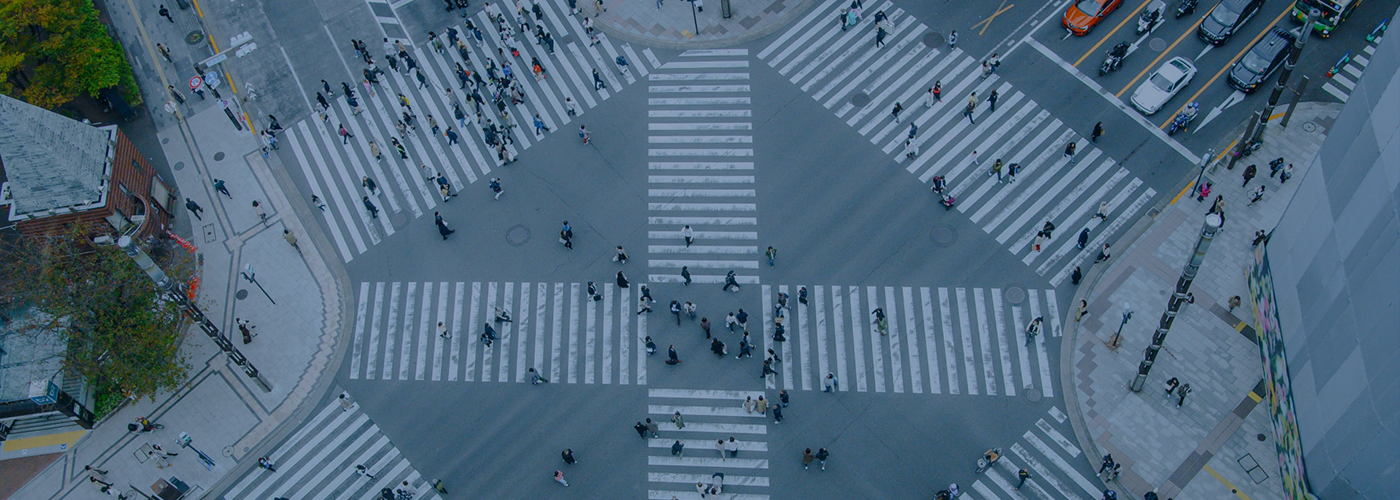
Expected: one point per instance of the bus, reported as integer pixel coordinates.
(1334, 12)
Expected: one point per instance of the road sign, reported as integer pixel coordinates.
(196, 82)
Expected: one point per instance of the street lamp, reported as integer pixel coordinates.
(1118, 337)
(1179, 298)
(174, 294)
(252, 277)
(694, 18)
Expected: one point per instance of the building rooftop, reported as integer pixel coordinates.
(51, 161)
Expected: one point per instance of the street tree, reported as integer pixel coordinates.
(52, 51)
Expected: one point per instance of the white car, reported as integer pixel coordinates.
(1163, 85)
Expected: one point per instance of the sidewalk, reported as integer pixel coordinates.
(1220, 429)
(670, 24)
(228, 417)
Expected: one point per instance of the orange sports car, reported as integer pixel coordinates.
(1083, 15)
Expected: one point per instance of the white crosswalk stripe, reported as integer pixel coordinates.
(554, 328)
(407, 185)
(1344, 81)
(695, 112)
(709, 416)
(319, 461)
(944, 340)
(1045, 453)
(840, 68)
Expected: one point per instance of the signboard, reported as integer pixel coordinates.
(195, 82)
(1287, 441)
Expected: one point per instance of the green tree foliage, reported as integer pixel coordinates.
(120, 331)
(57, 50)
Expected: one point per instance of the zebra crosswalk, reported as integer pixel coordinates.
(1343, 82)
(857, 82)
(940, 340)
(406, 183)
(1046, 452)
(709, 416)
(319, 461)
(701, 202)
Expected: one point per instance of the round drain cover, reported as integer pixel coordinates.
(241, 294)
(517, 235)
(860, 99)
(219, 156)
(1310, 127)
(194, 38)
(1015, 295)
(399, 220)
(944, 236)
(934, 39)
(1261, 437)
(1157, 44)
(1033, 394)
(179, 165)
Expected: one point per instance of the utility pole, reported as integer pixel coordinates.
(1118, 336)
(175, 294)
(1205, 160)
(1288, 64)
(1183, 284)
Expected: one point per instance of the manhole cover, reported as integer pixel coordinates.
(194, 38)
(400, 219)
(517, 235)
(860, 99)
(1157, 44)
(1261, 437)
(1015, 295)
(241, 294)
(219, 156)
(944, 236)
(1033, 395)
(165, 140)
(1309, 127)
(934, 39)
(179, 165)
(228, 451)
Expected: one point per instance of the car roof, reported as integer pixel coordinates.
(1275, 38)
(1175, 68)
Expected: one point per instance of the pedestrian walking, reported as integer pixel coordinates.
(164, 12)
(822, 455)
(345, 135)
(1103, 254)
(1234, 302)
(767, 369)
(772, 255)
(1033, 329)
(731, 283)
(1286, 174)
(973, 158)
(802, 295)
(995, 170)
(880, 35)
(262, 214)
(685, 275)
(559, 478)
(743, 320)
(1181, 394)
(672, 357)
(176, 94)
(536, 379)
(1081, 310)
(732, 446)
(598, 83)
(495, 186)
(1249, 174)
(1098, 132)
(1021, 477)
(1102, 212)
(1069, 151)
(540, 127)
(583, 134)
(688, 234)
(678, 449)
(676, 311)
(362, 471)
(443, 229)
(621, 280)
(265, 463)
(1075, 276)
(971, 106)
(291, 239)
(678, 420)
(807, 458)
(96, 475)
(992, 99)
(782, 395)
(620, 255)
(643, 306)
(164, 52)
(761, 405)
(705, 325)
(373, 210)
(953, 40)
(1170, 386)
(1258, 195)
(1106, 463)
(829, 383)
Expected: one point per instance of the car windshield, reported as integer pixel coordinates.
(1254, 62)
(1161, 82)
(1090, 7)
(1224, 16)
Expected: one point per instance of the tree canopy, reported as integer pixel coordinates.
(120, 331)
(55, 50)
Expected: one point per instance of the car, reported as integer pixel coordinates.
(1265, 57)
(1163, 84)
(1083, 15)
(1225, 18)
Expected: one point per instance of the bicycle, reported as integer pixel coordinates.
(988, 459)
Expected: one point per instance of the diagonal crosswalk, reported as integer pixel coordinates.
(319, 461)
(1046, 452)
(709, 416)
(1343, 82)
(842, 70)
(700, 152)
(408, 183)
(939, 340)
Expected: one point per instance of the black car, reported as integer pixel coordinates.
(1262, 60)
(1227, 17)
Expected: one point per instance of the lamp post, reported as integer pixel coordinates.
(1287, 71)
(252, 277)
(1178, 298)
(1205, 160)
(175, 294)
(693, 18)
(1118, 336)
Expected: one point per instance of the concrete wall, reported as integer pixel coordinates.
(1336, 268)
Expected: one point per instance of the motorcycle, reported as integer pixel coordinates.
(940, 186)
(1151, 16)
(1115, 59)
(1186, 7)
(984, 463)
(1183, 118)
